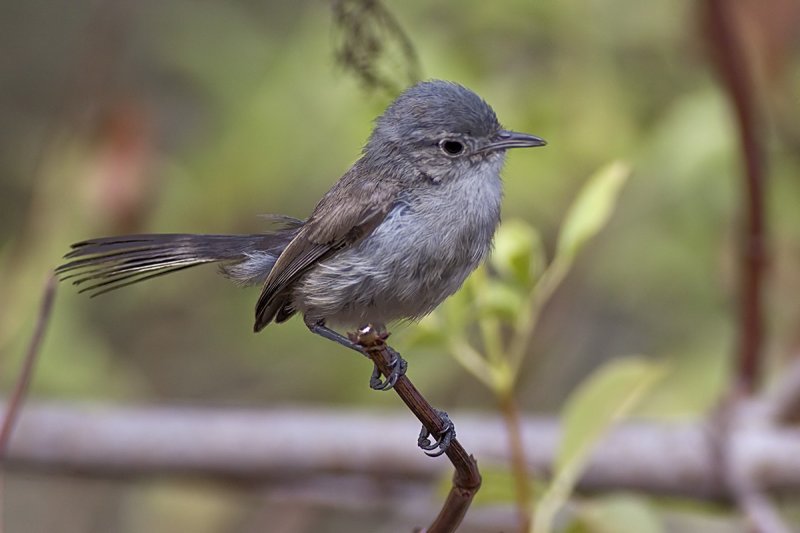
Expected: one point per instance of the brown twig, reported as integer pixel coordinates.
(730, 60)
(21, 386)
(519, 466)
(467, 478)
(23, 380)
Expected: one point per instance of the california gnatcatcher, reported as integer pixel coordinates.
(394, 237)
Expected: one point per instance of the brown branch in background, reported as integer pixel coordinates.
(785, 398)
(674, 459)
(730, 59)
(17, 397)
(519, 466)
(23, 380)
(467, 478)
(369, 36)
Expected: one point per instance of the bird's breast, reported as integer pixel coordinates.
(421, 253)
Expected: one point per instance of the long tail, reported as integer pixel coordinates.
(109, 263)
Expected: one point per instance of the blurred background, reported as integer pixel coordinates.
(178, 116)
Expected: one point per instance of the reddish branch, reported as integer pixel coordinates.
(466, 479)
(519, 466)
(17, 397)
(730, 60)
(24, 379)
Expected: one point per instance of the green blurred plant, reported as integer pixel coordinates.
(505, 305)
(618, 513)
(606, 397)
(488, 325)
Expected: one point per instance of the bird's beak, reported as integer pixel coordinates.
(504, 139)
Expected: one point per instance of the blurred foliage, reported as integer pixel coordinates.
(373, 46)
(504, 308)
(607, 397)
(617, 514)
(489, 324)
(196, 116)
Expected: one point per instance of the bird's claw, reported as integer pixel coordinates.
(398, 366)
(443, 442)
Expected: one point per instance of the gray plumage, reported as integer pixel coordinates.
(395, 236)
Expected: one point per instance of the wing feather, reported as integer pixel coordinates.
(350, 211)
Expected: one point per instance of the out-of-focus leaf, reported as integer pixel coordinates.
(459, 308)
(623, 513)
(165, 506)
(697, 377)
(591, 209)
(576, 526)
(518, 253)
(606, 397)
(427, 333)
(619, 514)
(497, 486)
(501, 300)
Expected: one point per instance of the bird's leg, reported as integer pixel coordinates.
(444, 440)
(324, 331)
(398, 364)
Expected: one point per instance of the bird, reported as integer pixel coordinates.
(397, 234)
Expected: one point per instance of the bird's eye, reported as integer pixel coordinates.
(451, 147)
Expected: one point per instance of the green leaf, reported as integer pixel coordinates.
(429, 332)
(591, 210)
(459, 309)
(501, 300)
(497, 486)
(622, 513)
(518, 253)
(605, 398)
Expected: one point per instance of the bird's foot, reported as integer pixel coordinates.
(443, 442)
(398, 366)
(374, 336)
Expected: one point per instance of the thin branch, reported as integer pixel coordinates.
(527, 321)
(26, 372)
(467, 478)
(23, 381)
(519, 466)
(731, 61)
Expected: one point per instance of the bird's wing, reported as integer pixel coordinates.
(350, 211)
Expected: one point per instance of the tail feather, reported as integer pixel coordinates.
(113, 266)
(118, 282)
(109, 263)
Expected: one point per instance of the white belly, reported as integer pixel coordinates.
(418, 256)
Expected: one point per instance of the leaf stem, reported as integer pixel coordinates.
(551, 278)
(473, 361)
(518, 463)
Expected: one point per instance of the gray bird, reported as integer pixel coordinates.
(397, 234)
